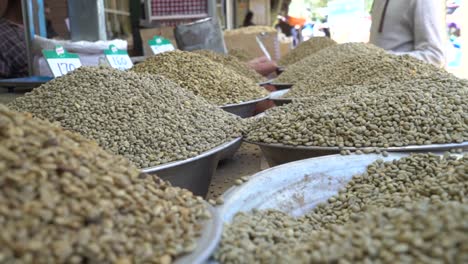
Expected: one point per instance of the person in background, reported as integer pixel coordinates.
(51, 33)
(248, 19)
(412, 27)
(325, 28)
(307, 31)
(13, 57)
(283, 26)
(296, 35)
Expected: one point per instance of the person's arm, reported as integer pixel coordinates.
(263, 65)
(428, 32)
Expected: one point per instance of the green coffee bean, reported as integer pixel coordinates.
(306, 49)
(404, 208)
(148, 119)
(211, 80)
(63, 199)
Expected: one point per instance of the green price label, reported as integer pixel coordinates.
(159, 45)
(60, 61)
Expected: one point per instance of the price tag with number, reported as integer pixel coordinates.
(60, 61)
(160, 45)
(118, 59)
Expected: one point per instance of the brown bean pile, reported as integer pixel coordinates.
(65, 200)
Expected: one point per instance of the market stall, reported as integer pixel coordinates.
(361, 156)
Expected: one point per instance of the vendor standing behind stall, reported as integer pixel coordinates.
(412, 27)
(13, 57)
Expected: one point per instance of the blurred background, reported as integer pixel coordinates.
(136, 21)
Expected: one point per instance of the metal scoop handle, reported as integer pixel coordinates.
(262, 46)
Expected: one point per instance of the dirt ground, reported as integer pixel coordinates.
(247, 161)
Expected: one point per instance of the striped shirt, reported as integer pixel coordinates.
(13, 56)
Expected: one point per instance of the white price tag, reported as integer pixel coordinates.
(162, 48)
(60, 61)
(118, 59)
(160, 45)
(121, 62)
(63, 66)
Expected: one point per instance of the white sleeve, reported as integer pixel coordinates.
(428, 31)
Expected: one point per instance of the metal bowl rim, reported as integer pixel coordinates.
(282, 84)
(206, 244)
(230, 195)
(283, 92)
(233, 189)
(185, 161)
(246, 102)
(392, 149)
(271, 82)
(281, 100)
(25, 82)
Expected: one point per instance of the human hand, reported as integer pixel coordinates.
(263, 65)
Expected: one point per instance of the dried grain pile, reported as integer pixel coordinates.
(249, 30)
(410, 210)
(240, 54)
(148, 119)
(371, 69)
(305, 68)
(218, 84)
(416, 112)
(65, 200)
(233, 63)
(306, 49)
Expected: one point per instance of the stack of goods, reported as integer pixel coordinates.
(65, 200)
(249, 30)
(411, 210)
(244, 42)
(233, 63)
(306, 49)
(389, 114)
(147, 119)
(211, 80)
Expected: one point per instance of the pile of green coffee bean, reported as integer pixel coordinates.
(408, 210)
(389, 114)
(305, 49)
(63, 199)
(233, 63)
(211, 80)
(148, 119)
